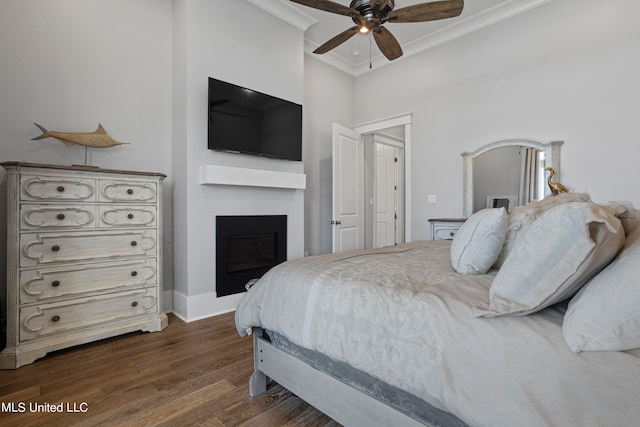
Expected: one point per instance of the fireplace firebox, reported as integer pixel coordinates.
(246, 248)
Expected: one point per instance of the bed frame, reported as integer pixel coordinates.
(337, 399)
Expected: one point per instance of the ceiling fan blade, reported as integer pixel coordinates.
(328, 6)
(387, 43)
(427, 11)
(338, 40)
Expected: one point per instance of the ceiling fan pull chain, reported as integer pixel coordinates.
(370, 64)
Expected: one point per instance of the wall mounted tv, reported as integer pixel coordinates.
(245, 121)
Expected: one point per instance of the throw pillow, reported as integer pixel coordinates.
(523, 216)
(605, 314)
(560, 251)
(478, 242)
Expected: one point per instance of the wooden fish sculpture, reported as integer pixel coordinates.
(97, 139)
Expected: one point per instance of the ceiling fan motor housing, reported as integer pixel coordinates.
(373, 12)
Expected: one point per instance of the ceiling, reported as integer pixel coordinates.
(356, 55)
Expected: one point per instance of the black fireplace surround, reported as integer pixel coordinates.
(246, 248)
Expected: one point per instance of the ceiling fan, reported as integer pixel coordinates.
(370, 15)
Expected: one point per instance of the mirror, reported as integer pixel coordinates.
(518, 179)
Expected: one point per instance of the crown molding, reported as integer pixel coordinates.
(329, 58)
(457, 29)
(284, 10)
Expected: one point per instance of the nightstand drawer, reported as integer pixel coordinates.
(445, 233)
(445, 228)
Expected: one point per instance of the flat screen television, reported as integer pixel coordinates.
(245, 121)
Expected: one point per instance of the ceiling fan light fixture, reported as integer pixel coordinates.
(364, 29)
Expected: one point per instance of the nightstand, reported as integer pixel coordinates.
(444, 228)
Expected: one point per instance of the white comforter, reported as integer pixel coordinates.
(403, 315)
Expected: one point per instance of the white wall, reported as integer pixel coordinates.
(566, 70)
(246, 46)
(70, 64)
(328, 98)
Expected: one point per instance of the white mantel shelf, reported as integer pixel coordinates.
(229, 175)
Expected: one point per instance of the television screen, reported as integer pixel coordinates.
(245, 121)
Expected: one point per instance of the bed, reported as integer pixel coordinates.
(478, 331)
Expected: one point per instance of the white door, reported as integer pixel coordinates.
(386, 195)
(348, 204)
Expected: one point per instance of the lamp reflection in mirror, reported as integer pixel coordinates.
(533, 156)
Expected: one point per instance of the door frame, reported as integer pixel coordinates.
(391, 122)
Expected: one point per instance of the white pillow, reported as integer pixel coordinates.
(605, 314)
(626, 213)
(523, 216)
(560, 251)
(478, 242)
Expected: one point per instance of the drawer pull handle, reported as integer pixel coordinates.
(55, 318)
(129, 191)
(60, 189)
(134, 273)
(60, 217)
(55, 283)
(55, 248)
(134, 304)
(134, 243)
(452, 234)
(130, 216)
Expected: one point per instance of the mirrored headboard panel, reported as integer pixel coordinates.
(528, 157)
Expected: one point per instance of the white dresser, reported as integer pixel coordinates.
(84, 257)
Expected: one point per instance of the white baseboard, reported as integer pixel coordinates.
(196, 307)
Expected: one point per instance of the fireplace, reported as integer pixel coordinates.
(246, 248)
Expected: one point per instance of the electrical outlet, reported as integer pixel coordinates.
(431, 198)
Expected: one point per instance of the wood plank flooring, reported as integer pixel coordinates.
(190, 374)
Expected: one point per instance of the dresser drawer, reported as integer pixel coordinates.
(43, 188)
(57, 216)
(48, 283)
(65, 316)
(127, 216)
(47, 248)
(127, 191)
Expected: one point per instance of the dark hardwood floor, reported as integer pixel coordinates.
(190, 374)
